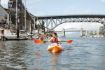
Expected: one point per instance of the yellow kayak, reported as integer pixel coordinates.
(55, 48)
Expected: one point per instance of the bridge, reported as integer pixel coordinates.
(81, 30)
(51, 22)
(48, 22)
(71, 30)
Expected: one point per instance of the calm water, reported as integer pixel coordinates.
(82, 54)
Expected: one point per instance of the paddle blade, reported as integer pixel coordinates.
(38, 41)
(69, 41)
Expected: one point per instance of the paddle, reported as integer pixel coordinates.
(38, 41)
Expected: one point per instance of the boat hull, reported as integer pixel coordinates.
(55, 48)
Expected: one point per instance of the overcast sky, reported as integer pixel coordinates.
(64, 7)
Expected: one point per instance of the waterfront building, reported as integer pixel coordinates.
(4, 18)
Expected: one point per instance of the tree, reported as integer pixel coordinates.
(102, 30)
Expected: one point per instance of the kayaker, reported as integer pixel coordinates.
(41, 37)
(54, 38)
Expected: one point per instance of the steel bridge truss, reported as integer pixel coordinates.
(51, 23)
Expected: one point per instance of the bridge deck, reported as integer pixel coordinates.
(71, 16)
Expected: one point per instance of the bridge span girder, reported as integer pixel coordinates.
(52, 22)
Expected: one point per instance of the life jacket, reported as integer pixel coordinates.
(54, 40)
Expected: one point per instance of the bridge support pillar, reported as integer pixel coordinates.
(64, 32)
(81, 32)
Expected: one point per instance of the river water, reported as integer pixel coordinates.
(82, 54)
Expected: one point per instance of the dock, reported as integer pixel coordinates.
(6, 34)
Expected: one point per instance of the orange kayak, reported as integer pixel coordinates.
(55, 48)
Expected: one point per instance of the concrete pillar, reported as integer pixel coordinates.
(81, 32)
(8, 20)
(64, 32)
(2, 35)
(34, 23)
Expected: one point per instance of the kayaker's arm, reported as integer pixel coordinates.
(50, 39)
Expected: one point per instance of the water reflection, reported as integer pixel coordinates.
(83, 54)
(37, 62)
(2, 54)
(54, 61)
(12, 59)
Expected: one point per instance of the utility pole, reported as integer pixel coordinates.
(30, 28)
(17, 20)
(0, 2)
(34, 22)
(25, 15)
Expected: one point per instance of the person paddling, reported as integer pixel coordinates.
(55, 47)
(54, 38)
